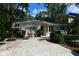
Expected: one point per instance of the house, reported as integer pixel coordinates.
(47, 27)
(71, 18)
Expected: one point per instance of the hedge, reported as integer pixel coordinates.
(71, 37)
(57, 37)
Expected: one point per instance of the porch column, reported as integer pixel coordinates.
(48, 29)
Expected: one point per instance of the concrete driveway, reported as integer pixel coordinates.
(33, 47)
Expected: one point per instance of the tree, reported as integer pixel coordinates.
(8, 15)
(22, 10)
(5, 19)
(42, 16)
(56, 12)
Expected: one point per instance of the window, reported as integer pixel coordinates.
(61, 27)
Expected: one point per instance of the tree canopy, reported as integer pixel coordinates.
(56, 12)
(43, 16)
(8, 15)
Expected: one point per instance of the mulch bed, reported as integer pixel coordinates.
(75, 49)
(70, 47)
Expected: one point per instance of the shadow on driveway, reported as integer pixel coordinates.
(75, 52)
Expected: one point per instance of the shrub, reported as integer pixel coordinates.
(13, 32)
(39, 33)
(57, 37)
(71, 40)
(71, 37)
(21, 33)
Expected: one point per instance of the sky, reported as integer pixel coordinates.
(72, 9)
(35, 8)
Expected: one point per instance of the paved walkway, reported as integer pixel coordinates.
(33, 47)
